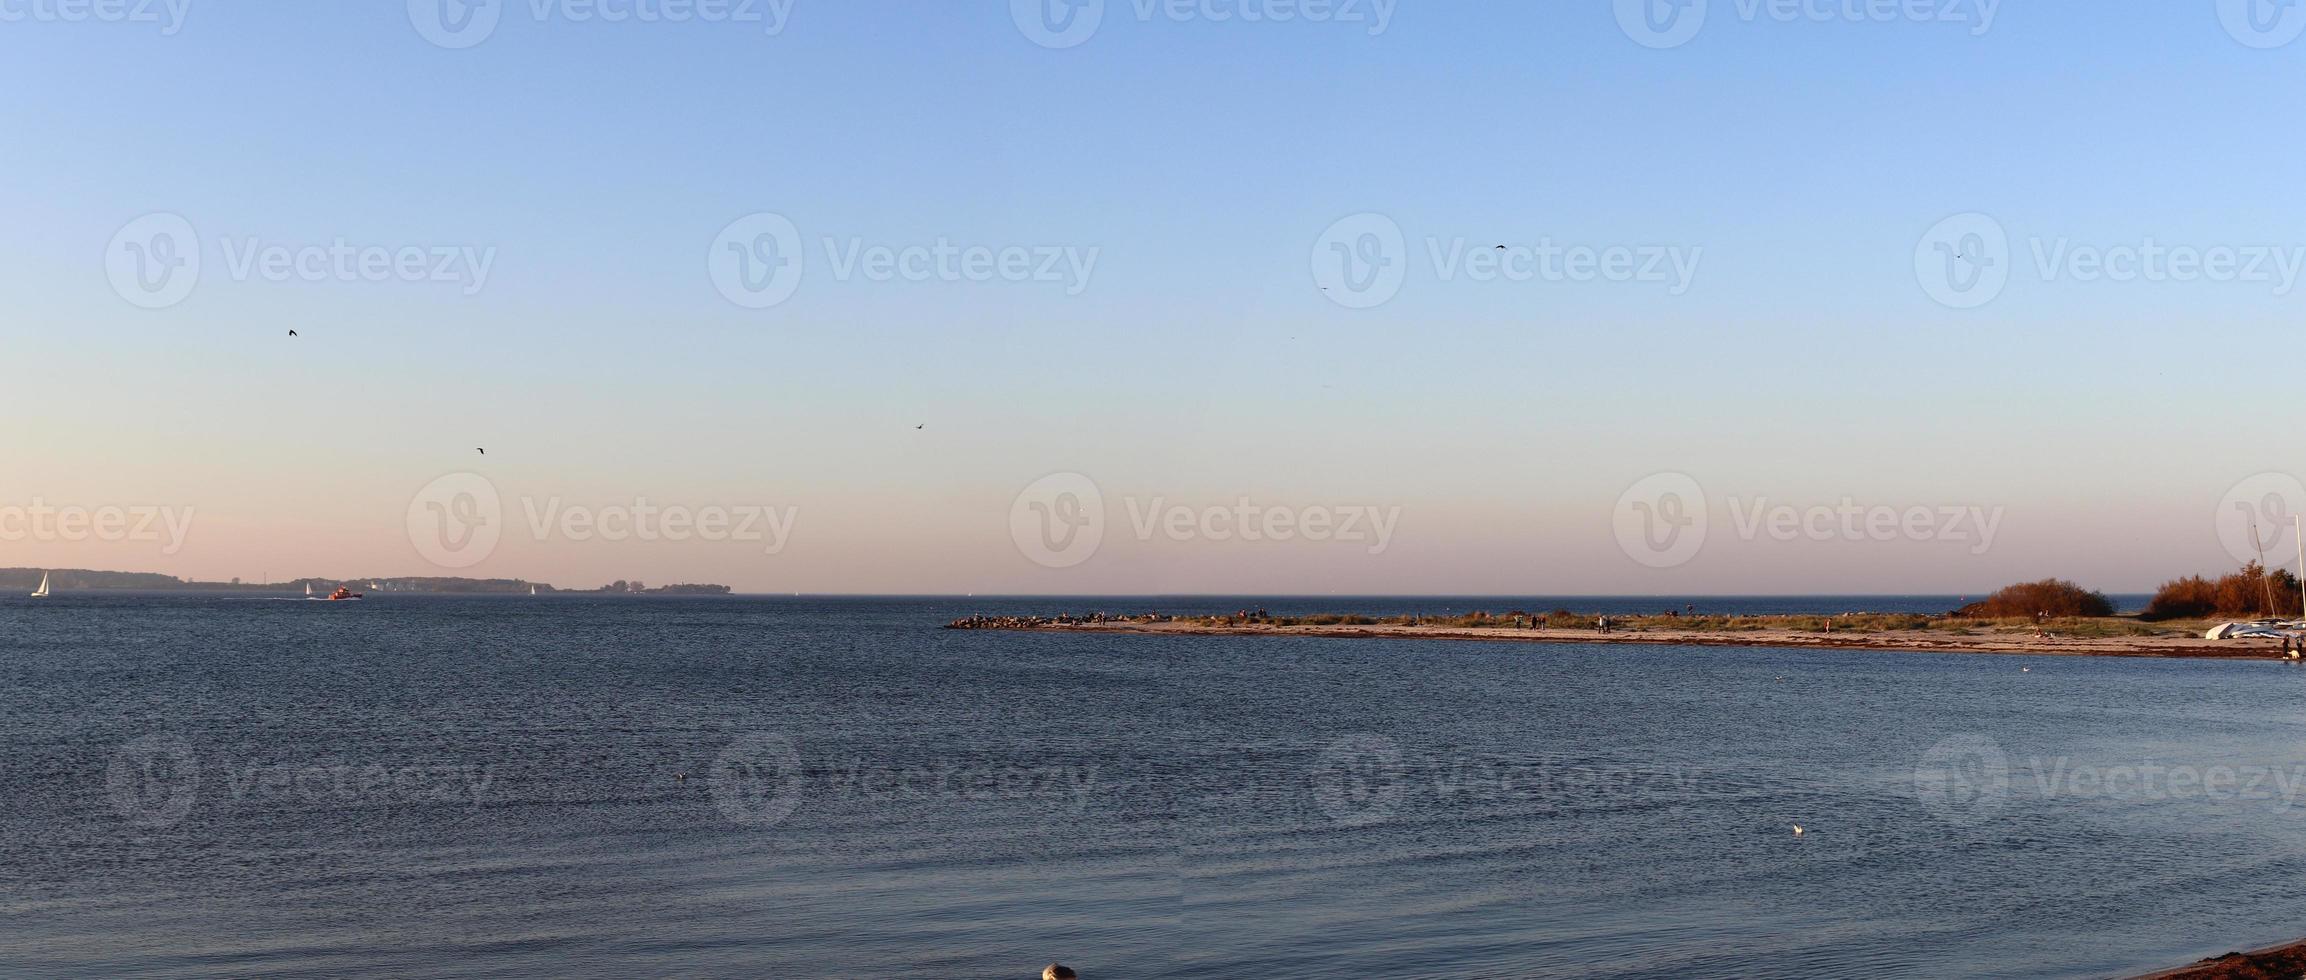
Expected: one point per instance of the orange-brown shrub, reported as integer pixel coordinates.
(2242, 594)
(2055, 597)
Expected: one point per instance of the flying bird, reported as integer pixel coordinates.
(923, 425)
(292, 333)
(483, 452)
(1798, 831)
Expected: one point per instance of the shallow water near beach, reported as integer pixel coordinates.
(199, 785)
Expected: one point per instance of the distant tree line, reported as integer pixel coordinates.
(2250, 593)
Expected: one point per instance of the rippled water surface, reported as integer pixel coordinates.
(224, 786)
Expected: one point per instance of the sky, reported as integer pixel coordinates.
(1050, 297)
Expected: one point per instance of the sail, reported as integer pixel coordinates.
(43, 590)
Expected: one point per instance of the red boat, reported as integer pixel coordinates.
(341, 594)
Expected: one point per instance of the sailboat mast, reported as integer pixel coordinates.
(2268, 581)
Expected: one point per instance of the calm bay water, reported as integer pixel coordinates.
(227, 786)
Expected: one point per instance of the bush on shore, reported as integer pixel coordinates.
(2057, 598)
(2240, 595)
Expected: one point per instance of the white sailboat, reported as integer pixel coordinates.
(532, 590)
(308, 590)
(42, 591)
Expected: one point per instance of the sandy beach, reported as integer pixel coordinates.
(2173, 643)
(2284, 962)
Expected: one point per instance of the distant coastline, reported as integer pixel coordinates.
(92, 580)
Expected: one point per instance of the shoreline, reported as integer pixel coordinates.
(2287, 960)
(1887, 640)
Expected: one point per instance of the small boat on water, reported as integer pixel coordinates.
(308, 590)
(343, 594)
(42, 591)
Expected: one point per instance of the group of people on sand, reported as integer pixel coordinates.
(1037, 622)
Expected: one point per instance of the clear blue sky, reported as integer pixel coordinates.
(1200, 362)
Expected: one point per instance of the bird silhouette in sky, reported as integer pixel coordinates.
(483, 452)
(921, 426)
(292, 333)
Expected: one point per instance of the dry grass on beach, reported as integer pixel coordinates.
(2072, 636)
